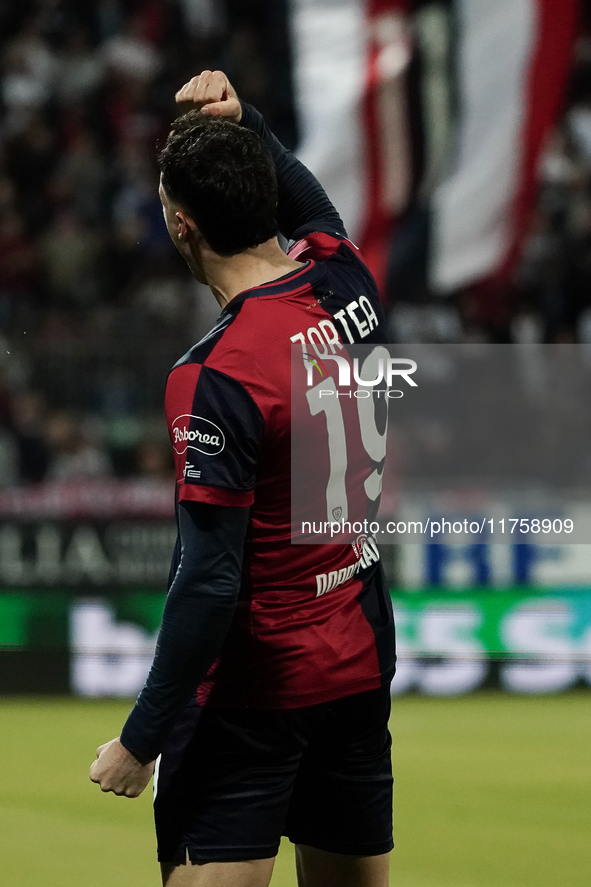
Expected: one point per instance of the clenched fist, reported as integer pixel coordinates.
(116, 770)
(211, 93)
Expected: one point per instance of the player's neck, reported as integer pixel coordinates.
(229, 275)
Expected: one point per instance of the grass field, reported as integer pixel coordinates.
(491, 791)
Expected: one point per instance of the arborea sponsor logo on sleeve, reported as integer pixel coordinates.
(196, 433)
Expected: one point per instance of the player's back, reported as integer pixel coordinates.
(313, 621)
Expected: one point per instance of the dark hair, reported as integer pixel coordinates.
(224, 176)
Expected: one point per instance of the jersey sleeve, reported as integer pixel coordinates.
(197, 615)
(322, 241)
(216, 429)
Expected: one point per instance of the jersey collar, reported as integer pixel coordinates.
(276, 289)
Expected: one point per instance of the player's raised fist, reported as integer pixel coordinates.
(211, 93)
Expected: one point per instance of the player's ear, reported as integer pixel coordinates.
(185, 226)
(182, 226)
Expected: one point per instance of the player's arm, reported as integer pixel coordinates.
(302, 199)
(197, 614)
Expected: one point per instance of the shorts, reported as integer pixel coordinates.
(231, 782)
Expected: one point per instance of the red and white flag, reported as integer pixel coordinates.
(445, 105)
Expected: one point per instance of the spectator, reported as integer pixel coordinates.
(8, 459)
(81, 178)
(29, 72)
(18, 264)
(73, 456)
(70, 253)
(154, 461)
(128, 55)
(79, 68)
(29, 418)
(31, 158)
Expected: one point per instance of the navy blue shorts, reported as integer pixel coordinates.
(230, 783)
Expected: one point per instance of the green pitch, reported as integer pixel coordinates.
(491, 791)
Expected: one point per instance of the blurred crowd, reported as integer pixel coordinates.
(95, 304)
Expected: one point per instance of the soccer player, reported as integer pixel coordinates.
(267, 703)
